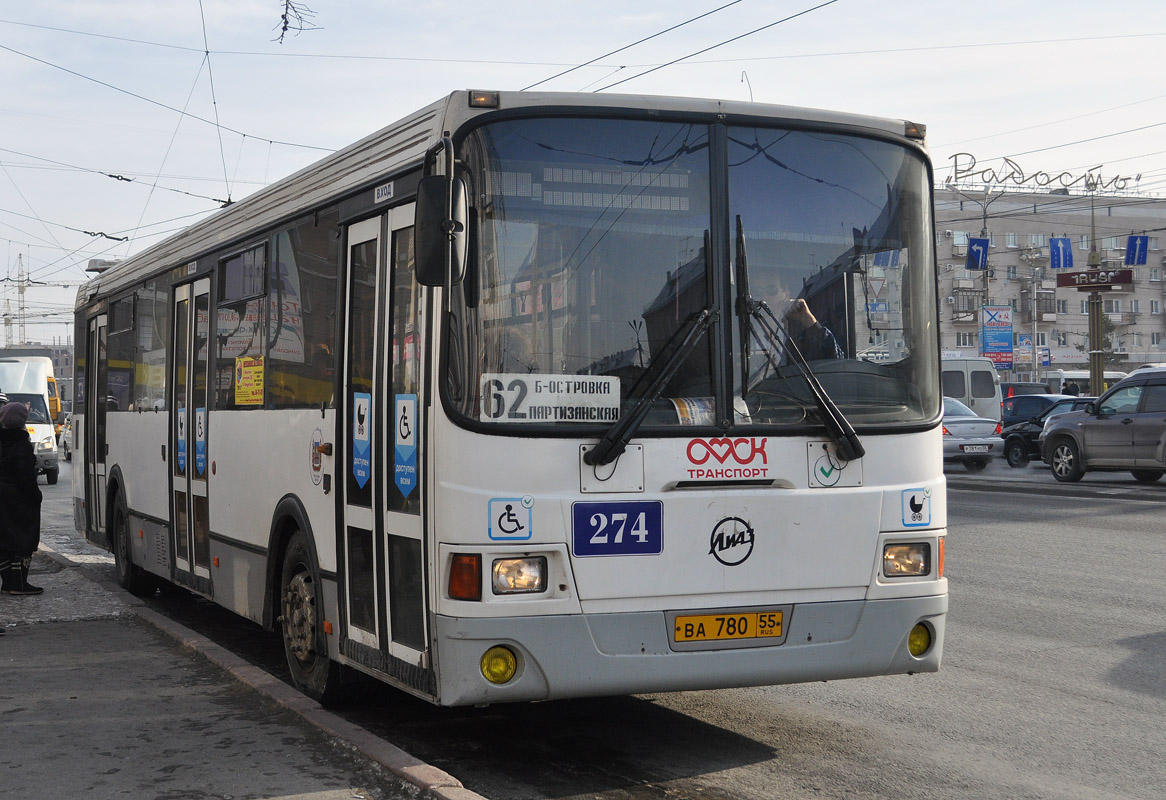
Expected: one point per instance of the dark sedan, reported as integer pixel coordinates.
(1022, 407)
(1021, 436)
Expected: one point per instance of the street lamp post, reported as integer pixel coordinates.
(1035, 260)
(983, 204)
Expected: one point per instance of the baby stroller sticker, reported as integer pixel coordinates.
(361, 437)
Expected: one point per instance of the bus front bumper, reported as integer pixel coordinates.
(627, 653)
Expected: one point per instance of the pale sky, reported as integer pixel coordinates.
(91, 89)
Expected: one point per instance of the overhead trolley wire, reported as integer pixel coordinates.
(720, 44)
(633, 44)
(157, 102)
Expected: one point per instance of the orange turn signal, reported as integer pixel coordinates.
(939, 561)
(465, 577)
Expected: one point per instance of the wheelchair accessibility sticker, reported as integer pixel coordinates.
(916, 508)
(510, 518)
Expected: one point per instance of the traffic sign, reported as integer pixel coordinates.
(977, 254)
(1060, 253)
(1136, 248)
(1096, 279)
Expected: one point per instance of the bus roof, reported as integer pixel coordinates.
(401, 147)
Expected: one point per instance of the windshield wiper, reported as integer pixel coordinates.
(838, 427)
(615, 441)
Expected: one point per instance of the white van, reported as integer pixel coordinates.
(26, 380)
(974, 382)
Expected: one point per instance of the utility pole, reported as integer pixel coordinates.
(1096, 329)
(1035, 312)
(20, 287)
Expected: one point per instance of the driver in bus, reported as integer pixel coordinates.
(814, 340)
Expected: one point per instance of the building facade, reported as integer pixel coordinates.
(1019, 226)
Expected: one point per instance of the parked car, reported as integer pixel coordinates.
(1021, 435)
(969, 439)
(1124, 429)
(1008, 389)
(1024, 407)
(65, 440)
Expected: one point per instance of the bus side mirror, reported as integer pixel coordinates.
(440, 237)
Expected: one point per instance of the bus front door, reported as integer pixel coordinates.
(382, 533)
(189, 509)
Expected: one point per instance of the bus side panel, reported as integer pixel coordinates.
(257, 458)
(137, 445)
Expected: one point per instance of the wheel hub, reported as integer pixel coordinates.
(299, 617)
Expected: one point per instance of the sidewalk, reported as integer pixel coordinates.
(101, 697)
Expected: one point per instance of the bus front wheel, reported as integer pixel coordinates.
(302, 620)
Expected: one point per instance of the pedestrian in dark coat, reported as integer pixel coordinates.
(20, 500)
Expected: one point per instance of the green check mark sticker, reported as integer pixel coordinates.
(827, 471)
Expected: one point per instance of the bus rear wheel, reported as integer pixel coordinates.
(302, 620)
(130, 576)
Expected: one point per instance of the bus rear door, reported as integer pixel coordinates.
(96, 406)
(189, 506)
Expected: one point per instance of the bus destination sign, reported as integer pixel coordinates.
(1096, 280)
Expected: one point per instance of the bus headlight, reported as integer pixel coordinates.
(47, 445)
(519, 575)
(903, 560)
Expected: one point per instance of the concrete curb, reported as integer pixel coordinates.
(435, 783)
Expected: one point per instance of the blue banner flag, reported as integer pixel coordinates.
(1060, 253)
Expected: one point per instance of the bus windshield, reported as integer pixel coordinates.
(599, 243)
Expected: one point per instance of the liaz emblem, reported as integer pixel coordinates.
(731, 541)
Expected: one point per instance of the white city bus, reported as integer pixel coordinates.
(505, 402)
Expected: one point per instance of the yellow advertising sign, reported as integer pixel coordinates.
(249, 380)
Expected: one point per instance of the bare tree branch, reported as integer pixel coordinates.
(296, 17)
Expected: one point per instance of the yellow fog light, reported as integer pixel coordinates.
(919, 642)
(906, 560)
(499, 664)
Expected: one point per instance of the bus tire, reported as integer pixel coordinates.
(1066, 461)
(302, 624)
(52, 475)
(130, 577)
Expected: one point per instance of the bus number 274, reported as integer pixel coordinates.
(617, 529)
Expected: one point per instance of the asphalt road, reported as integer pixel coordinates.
(1053, 683)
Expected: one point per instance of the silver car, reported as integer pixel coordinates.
(1125, 429)
(967, 438)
